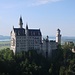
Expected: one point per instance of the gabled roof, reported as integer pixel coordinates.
(19, 31)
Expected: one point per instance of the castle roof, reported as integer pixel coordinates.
(34, 32)
(31, 32)
(19, 31)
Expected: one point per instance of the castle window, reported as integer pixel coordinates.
(38, 33)
(30, 33)
(13, 42)
(34, 33)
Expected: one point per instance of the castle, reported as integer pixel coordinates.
(24, 39)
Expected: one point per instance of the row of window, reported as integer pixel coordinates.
(31, 48)
(23, 48)
(34, 37)
(35, 33)
(21, 37)
(21, 41)
(21, 45)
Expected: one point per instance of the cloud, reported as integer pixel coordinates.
(24, 3)
(40, 2)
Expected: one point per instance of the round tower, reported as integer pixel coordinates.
(58, 36)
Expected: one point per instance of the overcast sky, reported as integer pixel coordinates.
(48, 15)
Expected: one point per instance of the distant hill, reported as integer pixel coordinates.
(66, 39)
(63, 39)
(4, 37)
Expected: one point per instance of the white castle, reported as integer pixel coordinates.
(24, 39)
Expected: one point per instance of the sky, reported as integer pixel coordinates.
(46, 15)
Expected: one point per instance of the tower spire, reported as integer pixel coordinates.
(21, 22)
(27, 26)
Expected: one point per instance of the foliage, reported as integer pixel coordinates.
(23, 63)
(62, 62)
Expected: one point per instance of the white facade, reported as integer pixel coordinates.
(58, 36)
(31, 39)
(18, 43)
(13, 41)
(48, 46)
(25, 39)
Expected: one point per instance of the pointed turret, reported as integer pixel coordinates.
(26, 26)
(21, 22)
(13, 27)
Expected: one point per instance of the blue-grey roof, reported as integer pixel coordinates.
(34, 32)
(31, 32)
(19, 31)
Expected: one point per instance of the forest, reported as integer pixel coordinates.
(62, 62)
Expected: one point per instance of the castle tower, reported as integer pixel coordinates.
(26, 37)
(47, 42)
(26, 30)
(21, 22)
(26, 26)
(58, 36)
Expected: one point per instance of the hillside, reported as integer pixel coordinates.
(4, 42)
(4, 37)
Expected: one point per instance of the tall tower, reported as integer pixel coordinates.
(26, 26)
(58, 36)
(47, 42)
(26, 31)
(21, 22)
